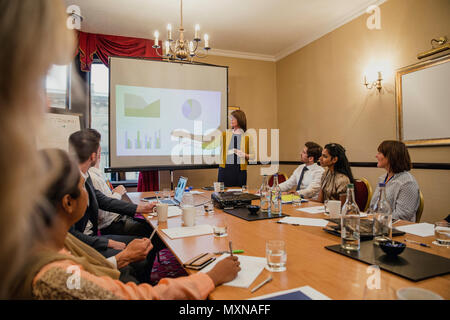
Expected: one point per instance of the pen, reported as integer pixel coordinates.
(231, 248)
(262, 283)
(234, 251)
(419, 243)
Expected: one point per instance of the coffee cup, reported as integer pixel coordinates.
(333, 207)
(188, 216)
(162, 211)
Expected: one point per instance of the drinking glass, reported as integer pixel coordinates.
(276, 255)
(209, 207)
(296, 200)
(244, 189)
(220, 228)
(442, 233)
(219, 187)
(166, 193)
(188, 200)
(220, 231)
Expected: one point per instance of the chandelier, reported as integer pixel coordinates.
(182, 49)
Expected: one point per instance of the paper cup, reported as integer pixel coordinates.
(333, 207)
(162, 211)
(189, 216)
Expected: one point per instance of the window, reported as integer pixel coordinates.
(56, 84)
(99, 113)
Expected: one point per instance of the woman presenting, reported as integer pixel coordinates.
(236, 151)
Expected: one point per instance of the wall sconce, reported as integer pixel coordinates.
(376, 83)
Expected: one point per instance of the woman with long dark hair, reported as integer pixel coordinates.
(337, 173)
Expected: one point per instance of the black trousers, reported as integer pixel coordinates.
(232, 176)
(128, 226)
(125, 230)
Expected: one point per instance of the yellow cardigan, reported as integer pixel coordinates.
(246, 147)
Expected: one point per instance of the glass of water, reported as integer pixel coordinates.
(188, 200)
(442, 233)
(220, 228)
(209, 207)
(296, 200)
(276, 255)
(166, 193)
(244, 189)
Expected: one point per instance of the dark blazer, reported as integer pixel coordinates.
(97, 200)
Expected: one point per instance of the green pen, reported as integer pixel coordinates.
(234, 251)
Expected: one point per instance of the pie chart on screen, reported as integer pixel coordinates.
(192, 109)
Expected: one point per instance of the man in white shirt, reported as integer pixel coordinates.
(105, 218)
(306, 178)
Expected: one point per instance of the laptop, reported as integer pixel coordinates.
(179, 191)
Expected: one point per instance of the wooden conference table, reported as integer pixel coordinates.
(308, 262)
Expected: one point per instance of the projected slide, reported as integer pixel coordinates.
(146, 117)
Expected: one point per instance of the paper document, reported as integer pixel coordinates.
(183, 232)
(313, 210)
(173, 211)
(304, 221)
(301, 293)
(195, 192)
(418, 229)
(251, 267)
(233, 190)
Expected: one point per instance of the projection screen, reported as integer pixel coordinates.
(151, 101)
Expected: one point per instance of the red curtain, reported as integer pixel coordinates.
(105, 46)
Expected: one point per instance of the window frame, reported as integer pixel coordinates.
(115, 176)
(68, 103)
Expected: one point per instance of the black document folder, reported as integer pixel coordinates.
(411, 264)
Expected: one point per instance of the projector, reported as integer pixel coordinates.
(231, 200)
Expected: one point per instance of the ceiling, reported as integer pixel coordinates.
(255, 29)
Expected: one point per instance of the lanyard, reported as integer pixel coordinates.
(386, 180)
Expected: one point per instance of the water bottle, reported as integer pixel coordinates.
(264, 196)
(275, 192)
(382, 217)
(350, 221)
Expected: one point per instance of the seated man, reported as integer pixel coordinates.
(110, 222)
(85, 145)
(306, 178)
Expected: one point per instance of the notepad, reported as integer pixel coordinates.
(313, 210)
(251, 267)
(288, 198)
(184, 232)
(300, 293)
(304, 221)
(418, 229)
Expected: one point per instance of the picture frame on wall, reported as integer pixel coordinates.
(422, 97)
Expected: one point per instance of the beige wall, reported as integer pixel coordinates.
(252, 87)
(320, 95)
(317, 94)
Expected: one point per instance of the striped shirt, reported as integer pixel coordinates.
(402, 193)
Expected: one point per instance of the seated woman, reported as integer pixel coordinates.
(337, 173)
(402, 190)
(61, 263)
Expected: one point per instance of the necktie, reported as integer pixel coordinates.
(301, 178)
